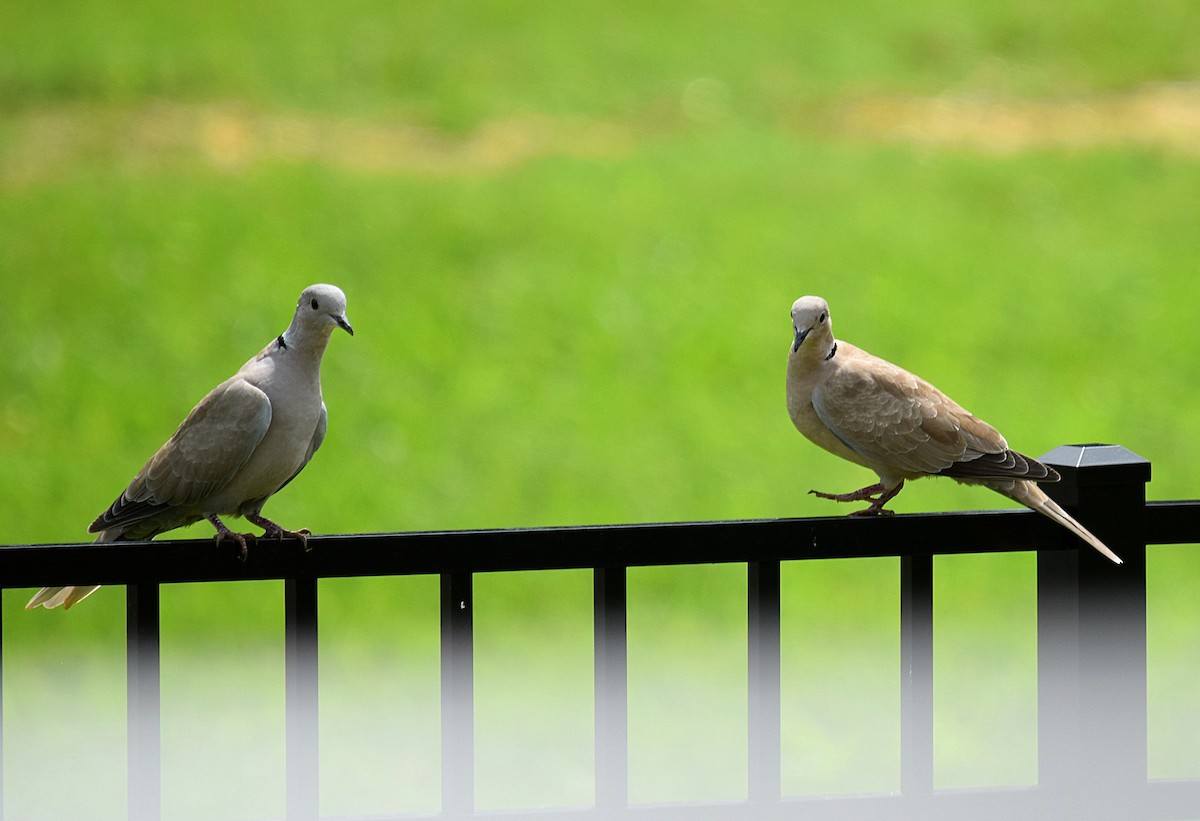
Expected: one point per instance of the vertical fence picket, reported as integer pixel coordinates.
(1, 709)
(611, 687)
(458, 694)
(916, 687)
(143, 702)
(302, 714)
(1059, 764)
(764, 745)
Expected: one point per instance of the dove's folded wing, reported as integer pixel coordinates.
(203, 455)
(898, 420)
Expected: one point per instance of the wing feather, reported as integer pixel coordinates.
(898, 420)
(204, 454)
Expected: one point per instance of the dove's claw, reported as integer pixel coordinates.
(274, 531)
(873, 510)
(876, 494)
(225, 534)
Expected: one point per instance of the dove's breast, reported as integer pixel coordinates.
(294, 417)
(801, 384)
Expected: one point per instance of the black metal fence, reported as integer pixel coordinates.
(1092, 713)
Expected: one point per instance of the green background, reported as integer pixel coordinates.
(569, 235)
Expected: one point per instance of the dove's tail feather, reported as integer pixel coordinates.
(51, 597)
(68, 597)
(1030, 495)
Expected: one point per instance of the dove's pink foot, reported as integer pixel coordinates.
(876, 494)
(274, 531)
(225, 534)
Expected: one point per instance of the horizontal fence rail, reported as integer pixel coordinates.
(589, 547)
(1091, 642)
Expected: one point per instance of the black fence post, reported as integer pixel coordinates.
(302, 710)
(1092, 637)
(458, 694)
(916, 684)
(611, 687)
(765, 736)
(143, 702)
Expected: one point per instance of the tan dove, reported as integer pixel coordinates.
(242, 443)
(875, 414)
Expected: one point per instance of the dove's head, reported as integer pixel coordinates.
(322, 308)
(811, 322)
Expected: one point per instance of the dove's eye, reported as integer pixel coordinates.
(821, 318)
(315, 305)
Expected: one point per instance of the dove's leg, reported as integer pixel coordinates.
(274, 531)
(877, 494)
(225, 534)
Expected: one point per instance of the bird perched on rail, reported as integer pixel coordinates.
(875, 414)
(242, 443)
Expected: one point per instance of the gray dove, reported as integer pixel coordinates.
(242, 443)
(875, 414)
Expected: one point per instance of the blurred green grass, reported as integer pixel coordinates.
(456, 64)
(572, 335)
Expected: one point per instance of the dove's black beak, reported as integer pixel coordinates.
(799, 340)
(344, 324)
